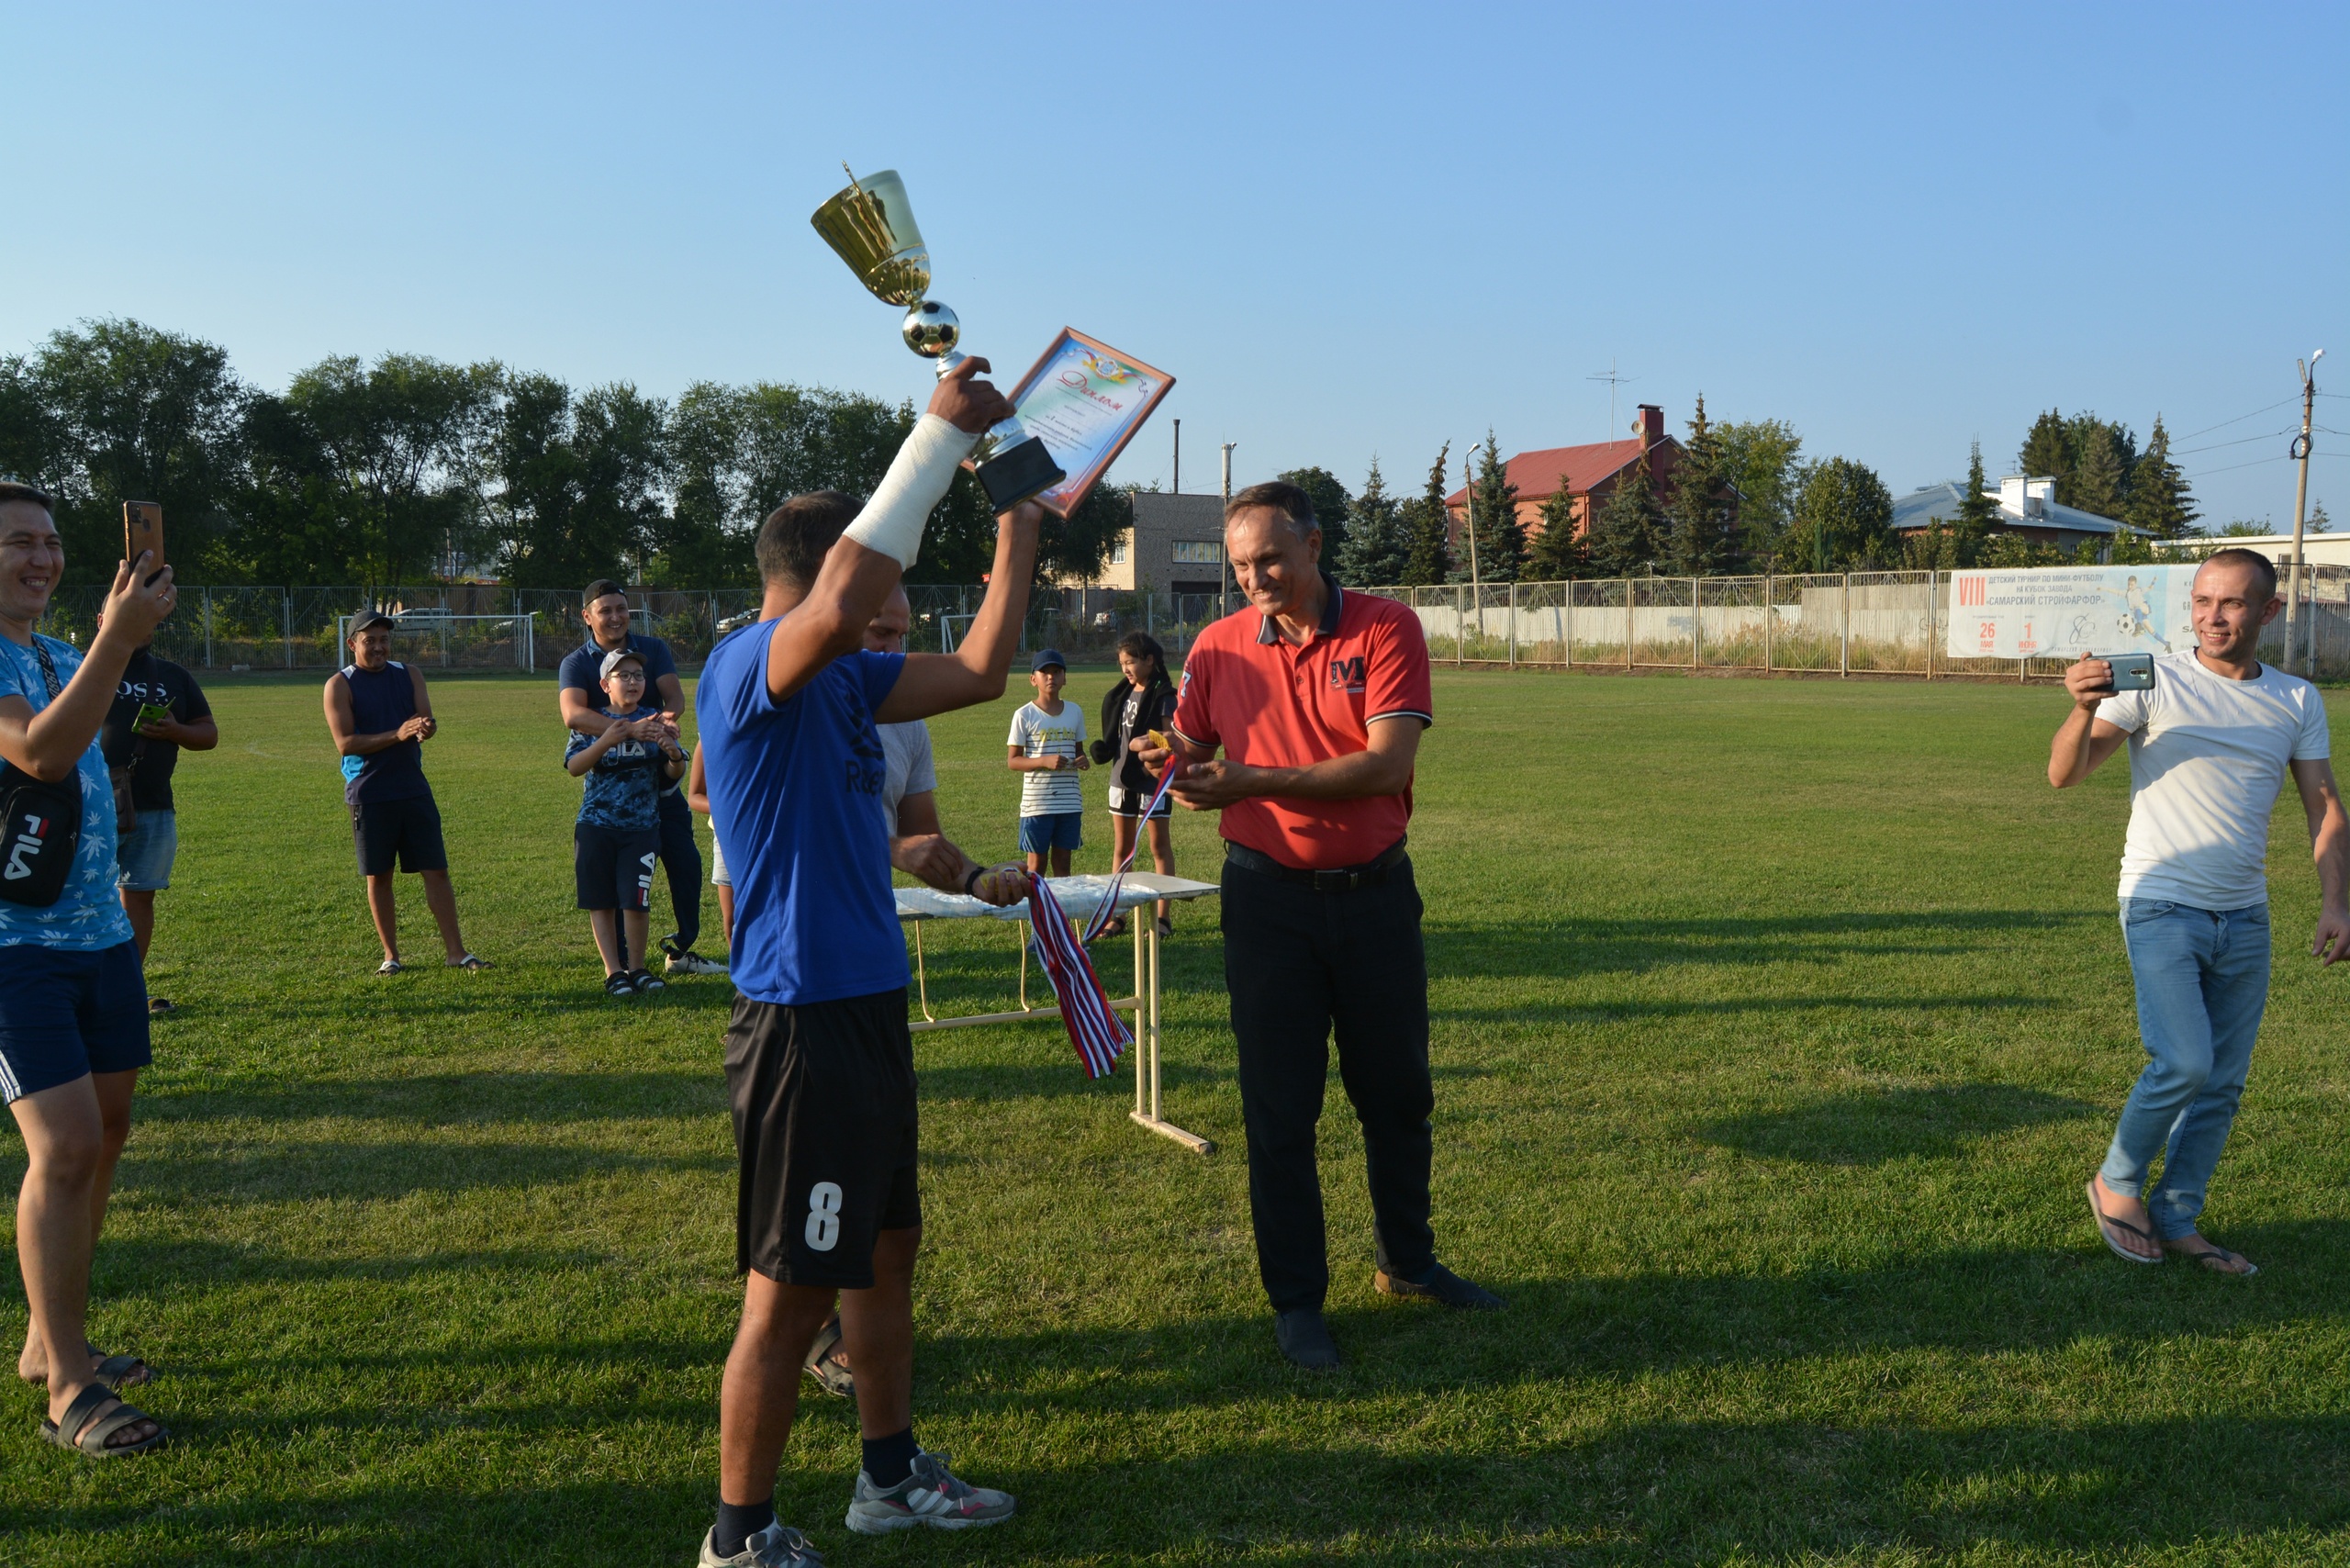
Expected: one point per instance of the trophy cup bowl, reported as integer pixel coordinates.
(871, 227)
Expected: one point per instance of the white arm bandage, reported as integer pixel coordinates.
(891, 522)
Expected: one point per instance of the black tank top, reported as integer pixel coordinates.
(383, 699)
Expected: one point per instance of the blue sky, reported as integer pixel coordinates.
(1348, 231)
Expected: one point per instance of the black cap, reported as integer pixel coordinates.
(366, 617)
(1048, 658)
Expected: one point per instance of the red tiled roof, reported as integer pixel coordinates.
(1539, 474)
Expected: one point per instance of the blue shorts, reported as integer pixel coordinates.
(143, 856)
(64, 1016)
(1059, 830)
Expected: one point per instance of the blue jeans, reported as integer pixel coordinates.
(2202, 978)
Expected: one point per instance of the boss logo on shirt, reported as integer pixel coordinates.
(1347, 675)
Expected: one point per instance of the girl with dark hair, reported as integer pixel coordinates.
(1142, 701)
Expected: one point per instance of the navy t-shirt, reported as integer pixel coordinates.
(624, 788)
(797, 787)
(579, 667)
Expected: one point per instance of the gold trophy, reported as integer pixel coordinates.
(872, 228)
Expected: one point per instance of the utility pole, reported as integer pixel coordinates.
(1468, 526)
(2300, 450)
(1224, 566)
(1179, 457)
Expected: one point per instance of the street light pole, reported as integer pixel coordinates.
(1223, 565)
(2293, 650)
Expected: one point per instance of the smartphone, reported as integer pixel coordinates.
(147, 713)
(142, 529)
(2132, 672)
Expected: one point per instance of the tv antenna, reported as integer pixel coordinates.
(1609, 377)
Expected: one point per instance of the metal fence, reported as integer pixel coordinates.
(1843, 623)
(483, 626)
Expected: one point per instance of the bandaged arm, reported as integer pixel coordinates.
(891, 522)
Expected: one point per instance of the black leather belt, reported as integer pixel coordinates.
(1343, 880)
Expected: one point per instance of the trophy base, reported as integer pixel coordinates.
(1019, 472)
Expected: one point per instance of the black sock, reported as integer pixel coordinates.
(889, 1461)
(738, 1522)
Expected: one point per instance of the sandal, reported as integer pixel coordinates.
(119, 1372)
(1117, 928)
(467, 962)
(91, 1431)
(824, 1366)
(390, 967)
(1166, 926)
(2217, 1259)
(2107, 1225)
(618, 985)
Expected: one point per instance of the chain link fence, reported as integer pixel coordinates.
(1844, 623)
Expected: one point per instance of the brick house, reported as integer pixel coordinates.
(1588, 474)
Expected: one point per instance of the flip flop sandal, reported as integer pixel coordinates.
(2217, 1258)
(390, 967)
(467, 962)
(830, 1375)
(120, 1372)
(91, 1431)
(1117, 928)
(2105, 1220)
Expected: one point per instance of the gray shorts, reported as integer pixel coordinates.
(718, 875)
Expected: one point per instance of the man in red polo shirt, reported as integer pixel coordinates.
(1317, 698)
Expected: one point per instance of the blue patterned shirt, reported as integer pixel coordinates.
(88, 914)
(624, 789)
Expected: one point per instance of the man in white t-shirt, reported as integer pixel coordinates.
(2210, 747)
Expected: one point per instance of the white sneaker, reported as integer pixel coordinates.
(778, 1546)
(693, 964)
(930, 1496)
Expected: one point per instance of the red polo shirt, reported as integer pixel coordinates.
(1271, 705)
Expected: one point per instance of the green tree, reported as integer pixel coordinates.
(1378, 549)
(1428, 525)
(2130, 549)
(1626, 532)
(1979, 508)
(580, 481)
(1558, 552)
(2048, 450)
(2161, 501)
(1332, 506)
(1492, 520)
(1762, 461)
(402, 442)
(2318, 522)
(1077, 547)
(2100, 482)
(130, 413)
(1844, 517)
(1702, 532)
(705, 540)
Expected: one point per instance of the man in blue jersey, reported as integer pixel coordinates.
(818, 1062)
(72, 1004)
(380, 717)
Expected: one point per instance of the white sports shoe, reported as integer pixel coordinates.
(693, 964)
(778, 1546)
(930, 1496)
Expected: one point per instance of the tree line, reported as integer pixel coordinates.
(1743, 498)
(410, 468)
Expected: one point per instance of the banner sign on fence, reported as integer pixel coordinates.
(2069, 613)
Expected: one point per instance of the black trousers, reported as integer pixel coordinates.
(681, 859)
(1300, 965)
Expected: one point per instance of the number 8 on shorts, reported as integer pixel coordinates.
(823, 1215)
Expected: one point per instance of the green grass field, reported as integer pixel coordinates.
(1776, 1027)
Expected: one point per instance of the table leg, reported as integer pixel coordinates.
(1147, 1063)
(922, 977)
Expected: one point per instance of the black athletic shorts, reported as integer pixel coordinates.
(824, 1098)
(409, 829)
(613, 866)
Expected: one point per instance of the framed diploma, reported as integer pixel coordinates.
(1085, 400)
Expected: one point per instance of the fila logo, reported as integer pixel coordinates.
(26, 843)
(1347, 674)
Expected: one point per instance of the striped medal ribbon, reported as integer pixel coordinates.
(1093, 1028)
(1109, 909)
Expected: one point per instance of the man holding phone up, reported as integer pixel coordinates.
(2210, 742)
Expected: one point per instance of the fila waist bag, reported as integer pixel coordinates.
(39, 832)
(40, 824)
